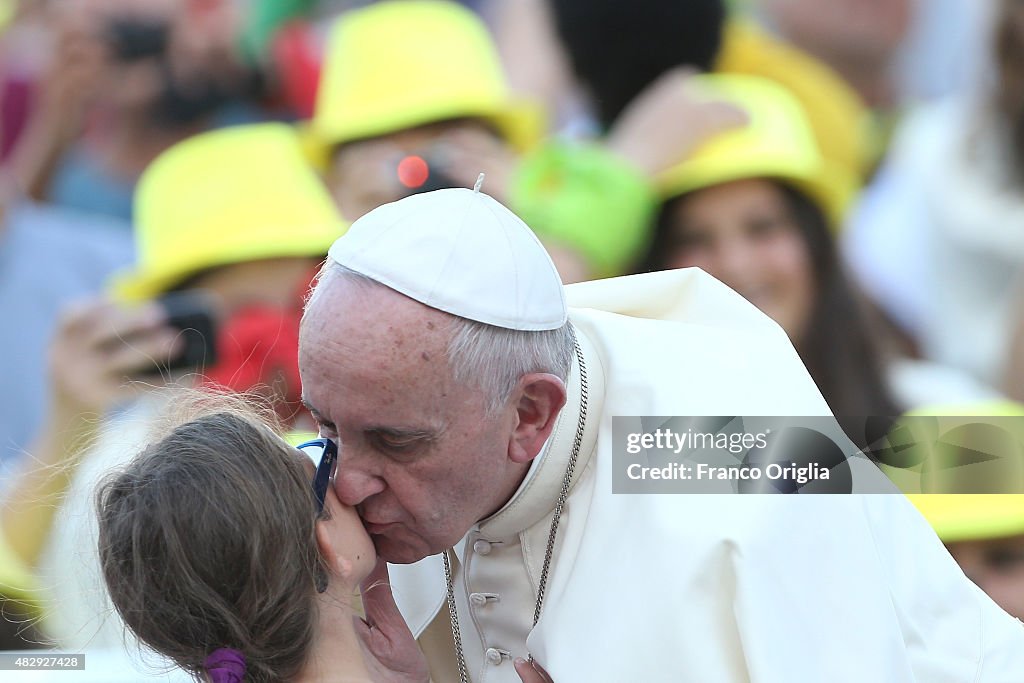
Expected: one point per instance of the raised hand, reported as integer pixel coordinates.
(390, 651)
(468, 151)
(99, 346)
(668, 121)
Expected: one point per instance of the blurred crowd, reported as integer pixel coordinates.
(172, 165)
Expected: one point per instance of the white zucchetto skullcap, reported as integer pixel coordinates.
(461, 252)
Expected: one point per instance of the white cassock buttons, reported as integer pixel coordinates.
(493, 655)
(481, 599)
(482, 547)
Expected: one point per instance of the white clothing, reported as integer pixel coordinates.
(722, 588)
(938, 239)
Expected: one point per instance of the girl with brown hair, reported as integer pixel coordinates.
(753, 208)
(219, 554)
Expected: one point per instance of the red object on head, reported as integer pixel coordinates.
(258, 350)
(298, 59)
(413, 171)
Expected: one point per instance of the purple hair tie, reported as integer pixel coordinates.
(225, 665)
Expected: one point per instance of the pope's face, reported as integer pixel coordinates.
(419, 457)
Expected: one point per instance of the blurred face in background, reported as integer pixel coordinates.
(257, 307)
(997, 567)
(173, 61)
(365, 174)
(744, 233)
(272, 283)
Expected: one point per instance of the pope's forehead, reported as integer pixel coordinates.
(372, 321)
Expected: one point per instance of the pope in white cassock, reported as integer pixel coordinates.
(472, 398)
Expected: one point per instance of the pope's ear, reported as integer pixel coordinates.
(540, 397)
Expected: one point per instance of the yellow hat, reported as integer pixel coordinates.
(932, 439)
(404, 63)
(965, 517)
(972, 517)
(776, 143)
(838, 118)
(231, 195)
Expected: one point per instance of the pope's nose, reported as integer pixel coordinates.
(353, 487)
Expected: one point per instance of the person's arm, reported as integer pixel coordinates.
(59, 116)
(597, 200)
(98, 346)
(535, 62)
(590, 208)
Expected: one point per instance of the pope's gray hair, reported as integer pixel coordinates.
(488, 357)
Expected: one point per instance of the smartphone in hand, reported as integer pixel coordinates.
(192, 313)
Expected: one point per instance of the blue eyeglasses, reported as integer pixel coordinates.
(324, 454)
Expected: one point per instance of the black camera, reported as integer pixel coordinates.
(134, 39)
(423, 173)
(193, 314)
